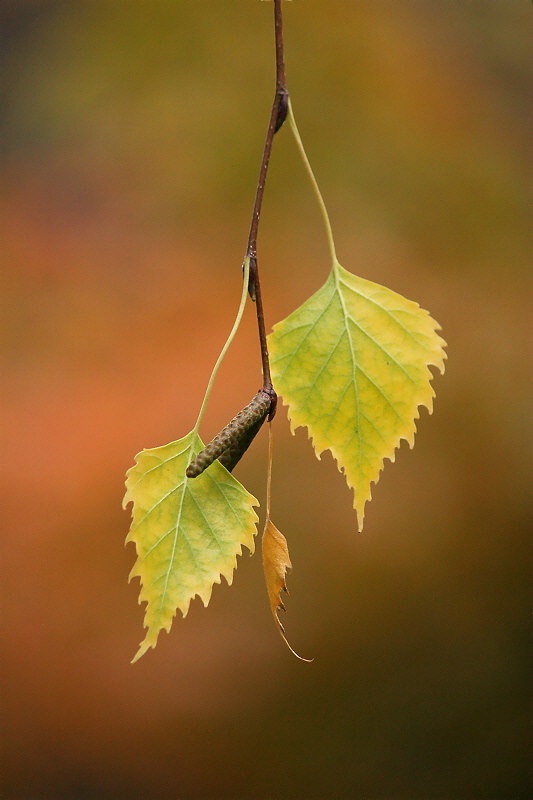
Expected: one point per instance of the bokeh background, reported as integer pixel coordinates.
(131, 137)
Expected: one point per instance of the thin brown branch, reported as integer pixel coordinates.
(277, 117)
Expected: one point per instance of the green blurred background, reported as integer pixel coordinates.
(131, 137)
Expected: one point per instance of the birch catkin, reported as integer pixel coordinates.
(232, 442)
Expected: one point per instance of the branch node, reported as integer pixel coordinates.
(283, 108)
(252, 278)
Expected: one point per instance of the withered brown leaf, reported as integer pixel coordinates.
(276, 562)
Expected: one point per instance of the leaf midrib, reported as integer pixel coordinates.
(336, 274)
(174, 543)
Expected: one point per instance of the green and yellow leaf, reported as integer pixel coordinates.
(352, 364)
(187, 532)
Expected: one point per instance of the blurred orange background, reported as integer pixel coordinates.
(132, 135)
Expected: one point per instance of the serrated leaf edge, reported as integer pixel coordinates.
(154, 630)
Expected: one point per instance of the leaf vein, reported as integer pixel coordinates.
(354, 370)
(313, 326)
(325, 364)
(387, 311)
(162, 462)
(136, 525)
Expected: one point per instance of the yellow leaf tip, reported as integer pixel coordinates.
(143, 648)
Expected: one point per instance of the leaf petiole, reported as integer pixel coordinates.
(276, 559)
(316, 189)
(229, 340)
